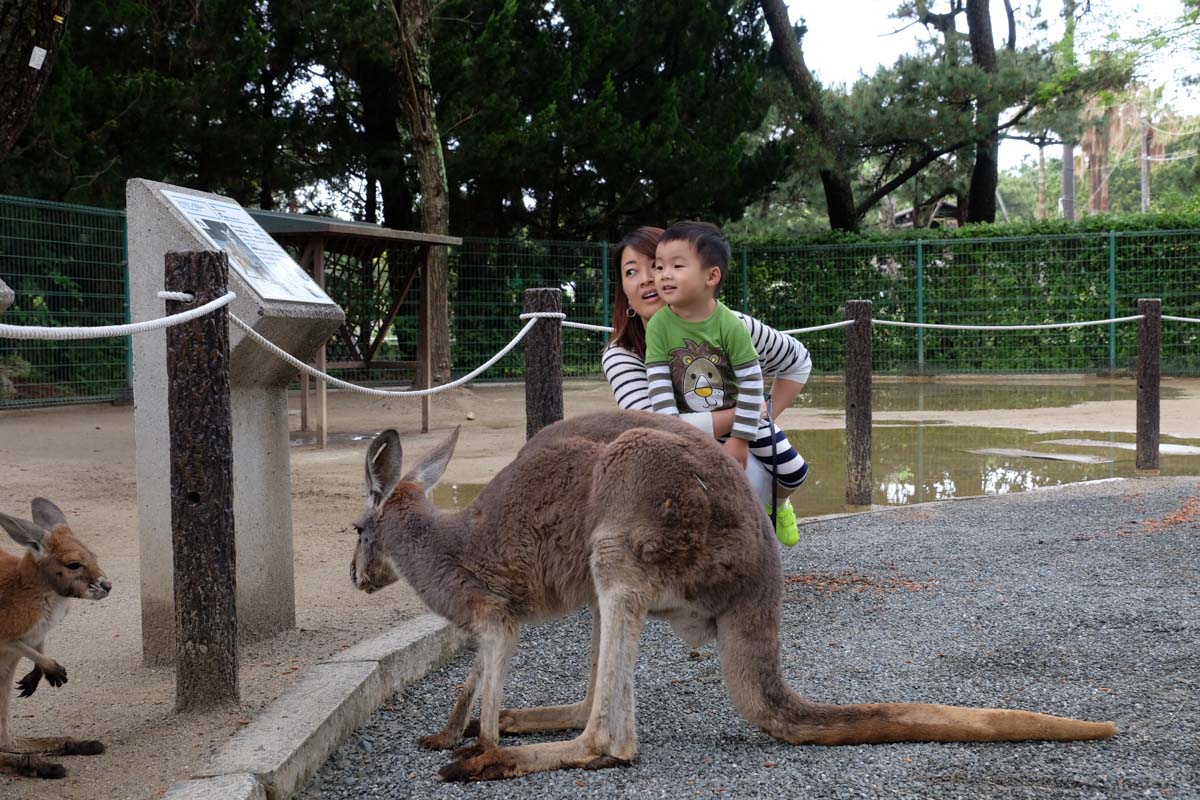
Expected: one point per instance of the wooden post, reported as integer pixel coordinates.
(858, 403)
(303, 401)
(543, 363)
(202, 531)
(1148, 373)
(318, 260)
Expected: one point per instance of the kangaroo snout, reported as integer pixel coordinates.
(100, 589)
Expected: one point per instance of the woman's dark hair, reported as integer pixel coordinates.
(630, 332)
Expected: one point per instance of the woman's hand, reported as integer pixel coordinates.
(722, 421)
(737, 449)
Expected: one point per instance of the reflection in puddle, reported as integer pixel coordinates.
(956, 396)
(917, 463)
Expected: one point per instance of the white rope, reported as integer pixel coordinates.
(583, 326)
(1005, 327)
(830, 326)
(102, 331)
(1181, 319)
(316, 373)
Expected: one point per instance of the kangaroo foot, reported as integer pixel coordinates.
(540, 718)
(54, 746)
(28, 685)
(607, 762)
(31, 766)
(82, 747)
(479, 763)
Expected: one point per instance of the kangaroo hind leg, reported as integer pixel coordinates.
(573, 716)
(610, 737)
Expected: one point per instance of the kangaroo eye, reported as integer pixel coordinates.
(74, 565)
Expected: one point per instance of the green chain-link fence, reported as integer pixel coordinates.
(67, 265)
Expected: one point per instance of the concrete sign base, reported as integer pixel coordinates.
(157, 224)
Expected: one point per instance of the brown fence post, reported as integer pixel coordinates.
(202, 533)
(543, 362)
(858, 403)
(1149, 370)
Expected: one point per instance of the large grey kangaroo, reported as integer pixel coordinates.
(638, 515)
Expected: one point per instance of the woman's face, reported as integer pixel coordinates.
(637, 279)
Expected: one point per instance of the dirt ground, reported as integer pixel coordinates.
(82, 458)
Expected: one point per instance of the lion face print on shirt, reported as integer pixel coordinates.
(702, 376)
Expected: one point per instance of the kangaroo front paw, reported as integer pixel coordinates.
(56, 675)
(28, 685)
(478, 763)
(82, 747)
(438, 741)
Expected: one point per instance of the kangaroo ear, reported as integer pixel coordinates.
(26, 534)
(383, 466)
(47, 514)
(429, 470)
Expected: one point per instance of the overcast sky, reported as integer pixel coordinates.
(841, 46)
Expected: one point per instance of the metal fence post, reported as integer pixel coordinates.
(920, 306)
(202, 526)
(858, 403)
(1112, 301)
(543, 362)
(1148, 374)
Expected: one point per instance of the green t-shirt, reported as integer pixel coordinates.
(711, 363)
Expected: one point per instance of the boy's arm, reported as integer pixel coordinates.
(749, 400)
(658, 371)
(748, 374)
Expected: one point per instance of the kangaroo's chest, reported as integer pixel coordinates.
(51, 609)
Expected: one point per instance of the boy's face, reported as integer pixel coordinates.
(679, 276)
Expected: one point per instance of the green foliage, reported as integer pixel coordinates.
(614, 114)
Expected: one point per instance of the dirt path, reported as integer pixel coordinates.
(82, 457)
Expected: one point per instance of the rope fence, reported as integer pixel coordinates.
(531, 319)
(544, 360)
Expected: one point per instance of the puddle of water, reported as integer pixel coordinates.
(455, 496)
(942, 396)
(917, 463)
(308, 438)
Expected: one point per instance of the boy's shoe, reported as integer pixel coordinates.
(786, 530)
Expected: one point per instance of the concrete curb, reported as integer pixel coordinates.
(275, 755)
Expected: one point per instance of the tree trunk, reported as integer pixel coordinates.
(835, 178)
(1068, 156)
(985, 175)
(1145, 164)
(30, 32)
(1068, 180)
(1041, 192)
(379, 90)
(414, 19)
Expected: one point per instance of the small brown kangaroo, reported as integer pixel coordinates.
(638, 515)
(34, 591)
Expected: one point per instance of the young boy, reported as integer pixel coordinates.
(699, 357)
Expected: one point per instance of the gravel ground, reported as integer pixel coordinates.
(1081, 602)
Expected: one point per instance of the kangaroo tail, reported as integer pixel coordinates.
(749, 651)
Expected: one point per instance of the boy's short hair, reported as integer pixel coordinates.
(708, 242)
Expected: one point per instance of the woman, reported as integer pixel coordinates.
(624, 363)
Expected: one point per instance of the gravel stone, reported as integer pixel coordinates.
(1081, 601)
